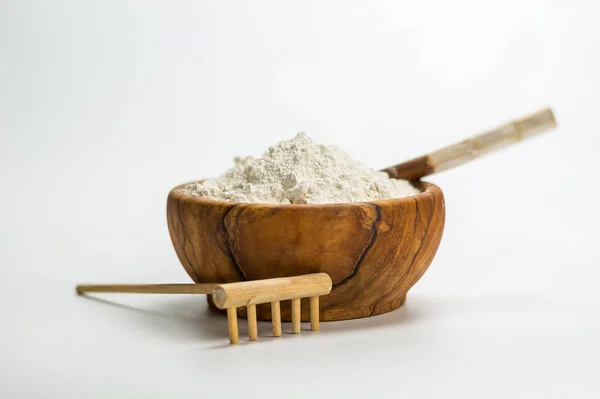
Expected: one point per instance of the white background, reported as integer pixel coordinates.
(105, 106)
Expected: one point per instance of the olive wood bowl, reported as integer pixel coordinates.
(374, 251)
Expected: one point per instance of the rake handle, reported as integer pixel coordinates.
(148, 288)
(275, 289)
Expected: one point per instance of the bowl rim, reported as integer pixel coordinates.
(427, 189)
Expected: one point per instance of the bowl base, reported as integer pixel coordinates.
(263, 311)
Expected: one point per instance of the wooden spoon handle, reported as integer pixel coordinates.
(474, 147)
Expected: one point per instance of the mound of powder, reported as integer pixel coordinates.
(299, 171)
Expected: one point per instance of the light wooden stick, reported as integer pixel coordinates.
(148, 288)
(276, 318)
(252, 327)
(275, 289)
(232, 325)
(314, 313)
(474, 147)
(296, 316)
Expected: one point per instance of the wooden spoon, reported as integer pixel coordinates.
(474, 147)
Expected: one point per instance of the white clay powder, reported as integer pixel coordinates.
(298, 171)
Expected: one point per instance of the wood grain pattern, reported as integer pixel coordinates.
(374, 252)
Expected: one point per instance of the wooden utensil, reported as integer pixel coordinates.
(243, 294)
(474, 147)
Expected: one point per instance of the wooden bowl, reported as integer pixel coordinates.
(373, 251)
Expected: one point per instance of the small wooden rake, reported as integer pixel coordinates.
(247, 293)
